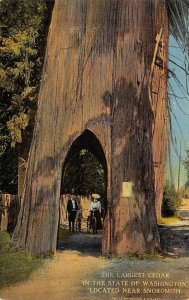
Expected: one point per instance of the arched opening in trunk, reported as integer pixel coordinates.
(84, 173)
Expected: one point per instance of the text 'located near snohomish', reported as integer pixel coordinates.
(120, 285)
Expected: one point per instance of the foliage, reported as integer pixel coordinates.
(178, 21)
(23, 32)
(16, 265)
(22, 40)
(84, 174)
(15, 126)
(171, 201)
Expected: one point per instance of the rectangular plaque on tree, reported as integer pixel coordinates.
(127, 189)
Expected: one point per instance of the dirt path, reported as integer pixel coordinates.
(78, 260)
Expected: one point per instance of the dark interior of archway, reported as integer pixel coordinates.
(85, 167)
(85, 172)
(83, 175)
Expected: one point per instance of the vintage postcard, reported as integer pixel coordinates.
(94, 149)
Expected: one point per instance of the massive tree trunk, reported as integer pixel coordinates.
(96, 77)
(159, 96)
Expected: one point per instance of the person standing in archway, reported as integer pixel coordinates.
(72, 207)
(95, 206)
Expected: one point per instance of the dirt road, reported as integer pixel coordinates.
(79, 272)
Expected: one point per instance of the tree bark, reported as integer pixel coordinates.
(96, 77)
(160, 106)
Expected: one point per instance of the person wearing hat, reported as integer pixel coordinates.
(95, 206)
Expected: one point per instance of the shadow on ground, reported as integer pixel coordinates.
(175, 240)
(86, 244)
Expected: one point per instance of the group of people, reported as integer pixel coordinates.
(94, 206)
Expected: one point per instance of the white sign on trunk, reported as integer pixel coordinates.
(127, 189)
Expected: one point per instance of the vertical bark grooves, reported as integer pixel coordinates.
(95, 77)
(160, 105)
